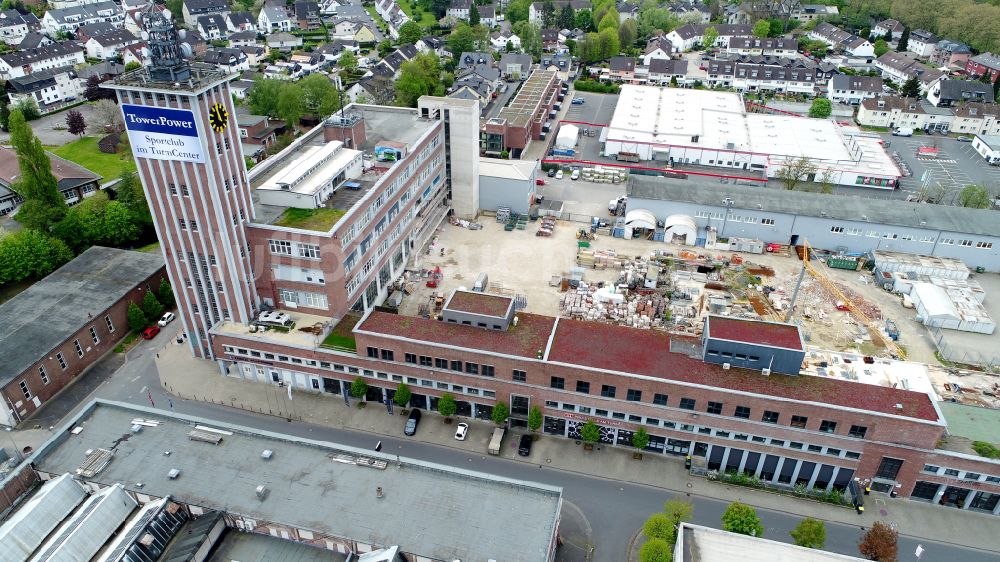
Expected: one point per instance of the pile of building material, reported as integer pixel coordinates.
(604, 174)
(598, 259)
(616, 306)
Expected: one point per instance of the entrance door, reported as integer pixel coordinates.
(331, 385)
(374, 394)
(888, 468)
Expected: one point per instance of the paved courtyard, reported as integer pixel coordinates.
(957, 166)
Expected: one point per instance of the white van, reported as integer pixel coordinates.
(903, 132)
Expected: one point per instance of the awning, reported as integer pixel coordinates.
(640, 218)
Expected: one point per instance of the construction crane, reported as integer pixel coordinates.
(873, 327)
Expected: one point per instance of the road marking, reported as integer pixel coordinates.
(137, 377)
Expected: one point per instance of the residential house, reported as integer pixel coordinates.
(227, 59)
(949, 93)
(691, 12)
(197, 42)
(922, 43)
(900, 67)
(240, 22)
(352, 30)
(14, 26)
(283, 41)
(437, 45)
(329, 7)
(976, 118)
(514, 66)
(103, 46)
(685, 37)
(307, 14)
(240, 88)
(487, 15)
(74, 182)
(809, 12)
(774, 46)
(472, 85)
(662, 71)
(212, 27)
(34, 40)
(842, 40)
(85, 32)
(748, 13)
(243, 39)
(890, 30)
(562, 64)
(50, 89)
(67, 20)
(770, 74)
(191, 9)
(56, 55)
(472, 59)
(133, 10)
(550, 39)
(620, 69)
(135, 53)
(657, 48)
(332, 51)
(273, 18)
(897, 112)
(255, 54)
(852, 90)
(393, 15)
(104, 70)
(258, 131)
(310, 62)
(536, 8)
(354, 12)
(984, 63)
(952, 54)
(627, 10)
(459, 9)
(500, 39)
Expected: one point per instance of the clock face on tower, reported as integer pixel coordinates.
(218, 117)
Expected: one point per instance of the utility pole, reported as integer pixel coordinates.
(798, 283)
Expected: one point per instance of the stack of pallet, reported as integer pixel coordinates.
(598, 259)
(503, 214)
(642, 312)
(548, 225)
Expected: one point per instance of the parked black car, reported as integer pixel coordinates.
(411, 422)
(524, 447)
(552, 173)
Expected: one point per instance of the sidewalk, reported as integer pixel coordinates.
(188, 378)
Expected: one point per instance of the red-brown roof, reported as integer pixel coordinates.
(749, 331)
(480, 303)
(647, 352)
(525, 340)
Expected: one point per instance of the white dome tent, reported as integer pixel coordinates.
(680, 226)
(567, 136)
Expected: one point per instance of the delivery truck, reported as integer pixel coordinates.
(496, 440)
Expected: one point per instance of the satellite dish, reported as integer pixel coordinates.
(144, 34)
(186, 50)
(182, 33)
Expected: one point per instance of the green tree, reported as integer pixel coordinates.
(4, 112)
(975, 196)
(590, 432)
(821, 108)
(741, 518)
(30, 254)
(419, 77)
(474, 15)
(865, 33)
(500, 413)
(548, 14)
(709, 37)
(653, 19)
(263, 97)
(610, 45)
(319, 96)
(910, 88)
(881, 47)
(611, 20)
(136, 318)
(349, 61)
(28, 108)
(402, 396)
(447, 405)
(656, 550)
(880, 542)
(810, 533)
(583, 19)
(133, 65)
(640, 438)
(628, 32)
(43, 204)
(660, 526)
(410, 32)
(176, 7)
(359, 388)
(534, 419)
(776, 27)
(761, 29)
(150, 306)
(465, 38)
(530, 36)
(518, 11)
(566, 17)
(291, 106)
(795, 172)
(128, 192)
(678, 510)
(165, 293)
(904, 40)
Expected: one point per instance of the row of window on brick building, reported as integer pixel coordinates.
(43, 374)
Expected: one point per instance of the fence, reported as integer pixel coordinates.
(988, 360)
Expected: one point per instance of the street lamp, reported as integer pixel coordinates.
(728, 202)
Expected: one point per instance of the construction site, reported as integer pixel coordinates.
(851, 323)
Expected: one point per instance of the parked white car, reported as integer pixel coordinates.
(166, 319)
(461, 431)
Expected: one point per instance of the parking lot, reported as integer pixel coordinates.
(957, 166)
(597, 108)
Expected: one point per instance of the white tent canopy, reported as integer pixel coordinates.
(681, 225)
(640, 218)
(567, 137)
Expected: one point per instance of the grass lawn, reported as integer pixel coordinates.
(310, 219)
(341, 336)
(85, 153)
(150, 248)
(426, 18)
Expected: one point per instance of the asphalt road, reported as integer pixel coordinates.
(614, 510)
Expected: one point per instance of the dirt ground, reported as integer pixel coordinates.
(521, 263)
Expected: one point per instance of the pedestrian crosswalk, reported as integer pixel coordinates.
(941, 160)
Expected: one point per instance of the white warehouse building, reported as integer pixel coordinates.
(709, 128)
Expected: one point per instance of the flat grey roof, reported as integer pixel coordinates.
(435, 511)
(704, 544)
(45, 315)
(842, 207)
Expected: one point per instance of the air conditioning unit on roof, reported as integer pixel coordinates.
(726, 366)
(765, 372)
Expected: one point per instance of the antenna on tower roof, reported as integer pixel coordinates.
(166, 51)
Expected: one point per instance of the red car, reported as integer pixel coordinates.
(150, 332)
(539, 182)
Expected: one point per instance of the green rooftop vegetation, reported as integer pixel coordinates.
(320, 220)
(342, 336)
